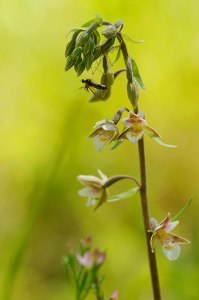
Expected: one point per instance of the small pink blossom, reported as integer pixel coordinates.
(86, 259)
(114, 295)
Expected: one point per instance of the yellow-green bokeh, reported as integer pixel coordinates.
(45, 119)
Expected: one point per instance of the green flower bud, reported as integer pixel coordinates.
(81, 68)
(83, 38)
(109, 31)
(133, 93)
(129, 71)
(101, 95)
(97, 52)
(71, 45)
(76, 65)
(70, 62)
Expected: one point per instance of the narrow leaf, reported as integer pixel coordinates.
(117, 56)
(116, 145)
(124, 195)
(158, 140)
(182, 211)
(136, 74)
(128, 38)
(75, 29)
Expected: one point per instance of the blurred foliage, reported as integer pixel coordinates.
(45, 119)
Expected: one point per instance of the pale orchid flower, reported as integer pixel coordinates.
(94, 190)
(136, 127)
(169, 242)
(106, 131)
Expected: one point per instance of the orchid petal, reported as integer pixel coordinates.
(90, 192)
(133, 138)
(150, 131)
(100, 142)
(109, 127)
(90, 201)
(103, 198)
(90, 180)
(173, 253)
(95, 132)
(171, 226)
(128, 122)
(177, 239)
(103, 176)
(166, 221)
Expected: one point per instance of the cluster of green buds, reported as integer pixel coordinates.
(84, 47)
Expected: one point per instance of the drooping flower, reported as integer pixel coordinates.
(136, 127)
(88, 259)
(169, 242)
(94, 190)
(106, 131)
(114, 295)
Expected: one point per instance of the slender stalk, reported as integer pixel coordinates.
(144, 198)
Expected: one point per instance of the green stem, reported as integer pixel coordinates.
(144, 198)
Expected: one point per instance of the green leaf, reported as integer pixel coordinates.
(77, 52)
(76, 29)
(158, 140)
(118, 143)
(92, 45)
(98, 19)
(182, 211)
(117, 56)
(136, 74)
(96, 37)
(124, 195)
(128, 38)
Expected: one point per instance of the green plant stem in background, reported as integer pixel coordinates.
(40, 194)
(144, 199)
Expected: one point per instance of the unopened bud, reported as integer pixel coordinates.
(109, 31)
(83, 38)
(70, 62)
(133, 93)
(129, 71)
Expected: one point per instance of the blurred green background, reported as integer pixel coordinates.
(45, 119)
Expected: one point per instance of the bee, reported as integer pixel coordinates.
(90, 84)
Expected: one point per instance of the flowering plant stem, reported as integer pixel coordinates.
(144, 198)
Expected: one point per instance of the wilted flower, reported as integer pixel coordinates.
(94, 190)
(106, 131)
(114, 295)
(136, 127)
(88, 259)
(169, 242)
